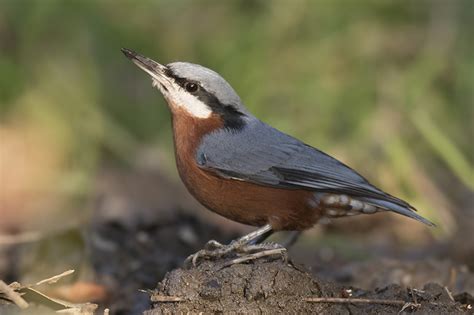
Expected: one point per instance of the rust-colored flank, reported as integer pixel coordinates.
(240, 201)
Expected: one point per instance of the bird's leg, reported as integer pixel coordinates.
(261, 238)
(244, 245)
(255, 235)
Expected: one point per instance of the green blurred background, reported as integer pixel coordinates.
(385, 86)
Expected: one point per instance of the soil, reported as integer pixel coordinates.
(138, 238)
(277, 287)
(142, 254)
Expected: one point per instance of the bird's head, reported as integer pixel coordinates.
(197, 90)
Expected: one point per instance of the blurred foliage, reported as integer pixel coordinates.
(386, 86)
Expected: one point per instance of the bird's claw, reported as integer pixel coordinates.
(192, 260)
(244, 252)
(212, 249)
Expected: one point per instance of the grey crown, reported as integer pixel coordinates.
(210, 80)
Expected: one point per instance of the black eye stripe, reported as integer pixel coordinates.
(232, 117)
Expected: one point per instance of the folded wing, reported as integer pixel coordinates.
(263, 155)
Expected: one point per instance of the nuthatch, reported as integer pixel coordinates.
(249, 172)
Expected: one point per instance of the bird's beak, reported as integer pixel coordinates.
(153, 68)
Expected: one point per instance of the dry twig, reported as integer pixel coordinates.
(12, 295)
(359, 301)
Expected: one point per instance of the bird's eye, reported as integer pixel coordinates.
(191, 87)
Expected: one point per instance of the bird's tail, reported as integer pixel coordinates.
(406, 210)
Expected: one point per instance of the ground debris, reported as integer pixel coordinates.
(32, 301)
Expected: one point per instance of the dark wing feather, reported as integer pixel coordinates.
(263, 155)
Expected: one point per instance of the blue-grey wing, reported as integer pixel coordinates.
(263, 155)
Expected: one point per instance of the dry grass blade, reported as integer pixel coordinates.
(449, 294)
(12, 295)
(55, 278)
(21, 238)
(58, 305)
(408, 305)
(165, 298)
(358, 300)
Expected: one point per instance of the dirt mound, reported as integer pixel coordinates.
(275, 287)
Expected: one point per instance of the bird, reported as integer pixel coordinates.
(247, 171)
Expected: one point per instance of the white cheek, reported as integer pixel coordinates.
(191, 104)
(181, 98)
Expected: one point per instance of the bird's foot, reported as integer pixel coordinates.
(212, 249)
(243, 252)
(213, 245)
(254, 252)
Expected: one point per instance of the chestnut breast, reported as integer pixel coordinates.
(239, 201)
